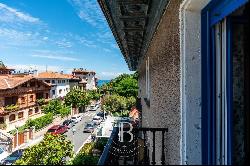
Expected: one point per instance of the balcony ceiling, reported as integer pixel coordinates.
(133, 23)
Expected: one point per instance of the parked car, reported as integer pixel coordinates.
(58, 129)
(3, 154)
(13, 157)
(68, 123)
(76, 118)
(93, 108)
(97, 120)
(89, 127)
(101, 114)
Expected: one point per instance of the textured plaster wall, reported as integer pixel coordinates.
(164, 110)
(190, 57)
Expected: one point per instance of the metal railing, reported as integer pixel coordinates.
(138, 151)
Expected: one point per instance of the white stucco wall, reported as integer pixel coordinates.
(190, 50)
(57, 86)
(91, 81)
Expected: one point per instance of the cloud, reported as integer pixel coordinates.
(9, 14)
(64, 43)
(45, 38)
(106, 50)
(110, 74)
(63, 58)
(34, 67)
(89, 12)
(12, 37)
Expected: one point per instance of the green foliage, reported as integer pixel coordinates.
(52, 150)
(118, 105)
(77, 98)
(40, 102)
(85, 156)
(38, 123)
(100, 143)
(93, 95)
(124, 85)
(11, 107)
(64, 111)
(53, 107)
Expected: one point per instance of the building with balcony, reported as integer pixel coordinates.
(18, 95)
(59, 82)
(4, 70)
(88, 78)
(191, 57)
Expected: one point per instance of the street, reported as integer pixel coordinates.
(79, 136)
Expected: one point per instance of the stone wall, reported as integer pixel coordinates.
(164, 69)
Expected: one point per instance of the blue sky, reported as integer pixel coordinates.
(62, 34)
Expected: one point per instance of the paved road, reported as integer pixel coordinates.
(80, 137)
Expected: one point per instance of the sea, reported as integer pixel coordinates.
(101, 82)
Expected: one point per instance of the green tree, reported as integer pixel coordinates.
(52, 107)
(77, 98)
(116, 104)
(52, 150)
(124, 85)
(93, 95)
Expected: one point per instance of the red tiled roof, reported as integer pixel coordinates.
(10, 81)
(83, 71)
(54, 75)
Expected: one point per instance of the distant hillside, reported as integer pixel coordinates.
(101, 82)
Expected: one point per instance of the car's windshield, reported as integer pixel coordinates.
(1, 150)
(65, 122)
(89, 125)
(73, 117)
(51, 130)
(96, 118)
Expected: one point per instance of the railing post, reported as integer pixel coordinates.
(153, 153)
(163, 149)
(145, 148)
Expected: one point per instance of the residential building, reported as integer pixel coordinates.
(87, 77)
(18, 95)
(191, 57)
(4, 70)
(59, 83)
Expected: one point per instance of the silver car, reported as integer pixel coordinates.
(89, 128)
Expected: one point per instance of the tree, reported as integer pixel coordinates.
(77, 98)
(52, 150)
(118, 104)
(93, 95)
(52, 107)
(124, 85)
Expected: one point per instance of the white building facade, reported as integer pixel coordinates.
(59, 83)
(88, 76)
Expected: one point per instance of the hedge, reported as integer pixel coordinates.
(85, 156)
(38, 123)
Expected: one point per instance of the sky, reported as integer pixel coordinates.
(59, 34)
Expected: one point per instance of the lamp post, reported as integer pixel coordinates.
(73, 131)
(16, 127)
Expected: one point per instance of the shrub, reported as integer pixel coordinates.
(38, 123)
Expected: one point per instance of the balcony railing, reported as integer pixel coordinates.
(136, 152)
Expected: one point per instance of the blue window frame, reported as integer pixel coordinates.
(213, 13)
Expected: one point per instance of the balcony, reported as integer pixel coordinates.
(138, 151)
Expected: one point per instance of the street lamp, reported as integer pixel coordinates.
(73, 131)
(16, 127)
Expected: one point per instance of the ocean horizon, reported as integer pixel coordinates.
(101, 82)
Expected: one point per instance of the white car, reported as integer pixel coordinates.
(76, 118)
(93, 108)
(3, 154)
(97, 120)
